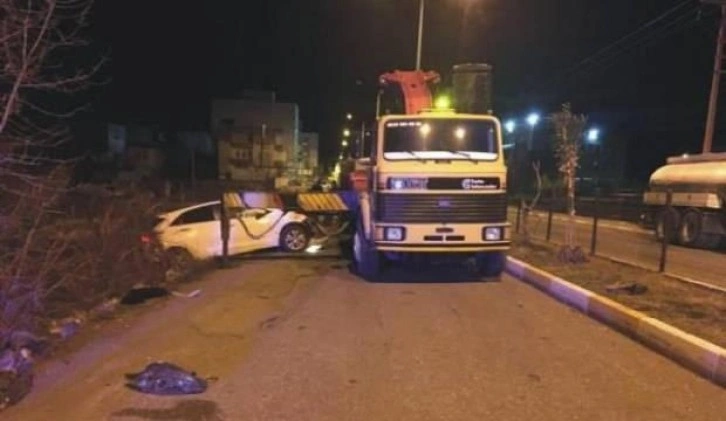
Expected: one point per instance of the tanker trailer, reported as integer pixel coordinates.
(698, 187)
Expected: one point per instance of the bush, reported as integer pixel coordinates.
(67, 251)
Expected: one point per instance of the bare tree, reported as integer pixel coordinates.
(38, 64)
(40, 69)
(528, 208)
(569, 130)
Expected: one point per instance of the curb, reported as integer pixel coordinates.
(700, 356)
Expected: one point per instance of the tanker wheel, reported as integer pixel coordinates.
(691, 232)
(660, 220)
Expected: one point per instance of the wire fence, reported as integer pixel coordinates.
(612, 228)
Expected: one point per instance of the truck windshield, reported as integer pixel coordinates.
(422, 139)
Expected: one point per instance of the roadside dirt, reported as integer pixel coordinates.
(689, 308)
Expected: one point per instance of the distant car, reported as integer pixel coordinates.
(195, 232)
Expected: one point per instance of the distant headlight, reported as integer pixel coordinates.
(492, 234)
(399, 183)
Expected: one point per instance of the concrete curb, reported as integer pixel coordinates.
(700, 356)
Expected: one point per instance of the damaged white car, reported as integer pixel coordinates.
(194, 232)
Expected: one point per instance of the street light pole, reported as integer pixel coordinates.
(420, 34)
(715, 82)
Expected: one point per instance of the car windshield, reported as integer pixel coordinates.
(465, 139)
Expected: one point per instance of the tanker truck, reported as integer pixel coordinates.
(698, 193)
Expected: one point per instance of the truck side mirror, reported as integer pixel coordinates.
(367, 162)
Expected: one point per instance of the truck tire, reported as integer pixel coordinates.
(660, 220)
(491, 264)
(690, 232)
(367, 260)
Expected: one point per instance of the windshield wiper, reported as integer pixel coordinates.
(464, 154)
(418, 158)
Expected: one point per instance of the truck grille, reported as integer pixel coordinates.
(436, 208)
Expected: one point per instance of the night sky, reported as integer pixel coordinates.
(169, 58)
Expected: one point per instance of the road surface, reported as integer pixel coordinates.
(304, 340)
(628, 242)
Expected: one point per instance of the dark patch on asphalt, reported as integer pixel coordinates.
(353, 381)
(302, 327)
(270, 323)
(263, 297)
(408, 292)
(534, 377)
(187, 410)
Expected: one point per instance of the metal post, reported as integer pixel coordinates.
(667, 222)
(549, 214)
(225, 229)
(596, 218)
(378, 103)
(519, 215)
(420, 34)
(715, 84)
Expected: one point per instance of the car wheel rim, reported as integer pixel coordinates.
(295, 239)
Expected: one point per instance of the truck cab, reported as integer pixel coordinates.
(435, 184)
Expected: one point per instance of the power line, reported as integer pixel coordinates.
(642, 28)
(681, 23)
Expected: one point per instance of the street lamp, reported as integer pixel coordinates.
(509, 126)
(349, 116)
(344, 143)
(346, 133)
(593, 135)
(533, 119)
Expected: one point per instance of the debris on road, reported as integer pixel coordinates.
(162, 378)
(65, 328)
(192, 294)
(16, 376)
(632, 288)
(106, 309)
(141, 294)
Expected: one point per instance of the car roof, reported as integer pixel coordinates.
(179, 211)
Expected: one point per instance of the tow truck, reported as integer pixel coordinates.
(433, 185)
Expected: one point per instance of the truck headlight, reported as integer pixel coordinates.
(394, 233)
(492, 234)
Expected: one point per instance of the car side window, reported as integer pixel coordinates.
(195, 216)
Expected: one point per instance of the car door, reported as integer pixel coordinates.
(261, 227)
(196, 230)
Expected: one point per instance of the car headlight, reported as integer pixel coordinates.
(406, 183)
(492, 233)
(394, 233)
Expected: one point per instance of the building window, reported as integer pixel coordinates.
(243, 154)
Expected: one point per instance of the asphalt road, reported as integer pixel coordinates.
(633, 244)
(300, 341)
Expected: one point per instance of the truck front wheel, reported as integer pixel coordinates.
(367, 259)
(491, 264)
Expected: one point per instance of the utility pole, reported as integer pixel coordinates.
(362, 138)
(420, 35)
(716, 81)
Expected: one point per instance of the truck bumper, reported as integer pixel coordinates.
(443, 238)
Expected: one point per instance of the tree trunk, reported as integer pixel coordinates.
(571, 223)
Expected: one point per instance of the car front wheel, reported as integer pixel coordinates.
(294, 238)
